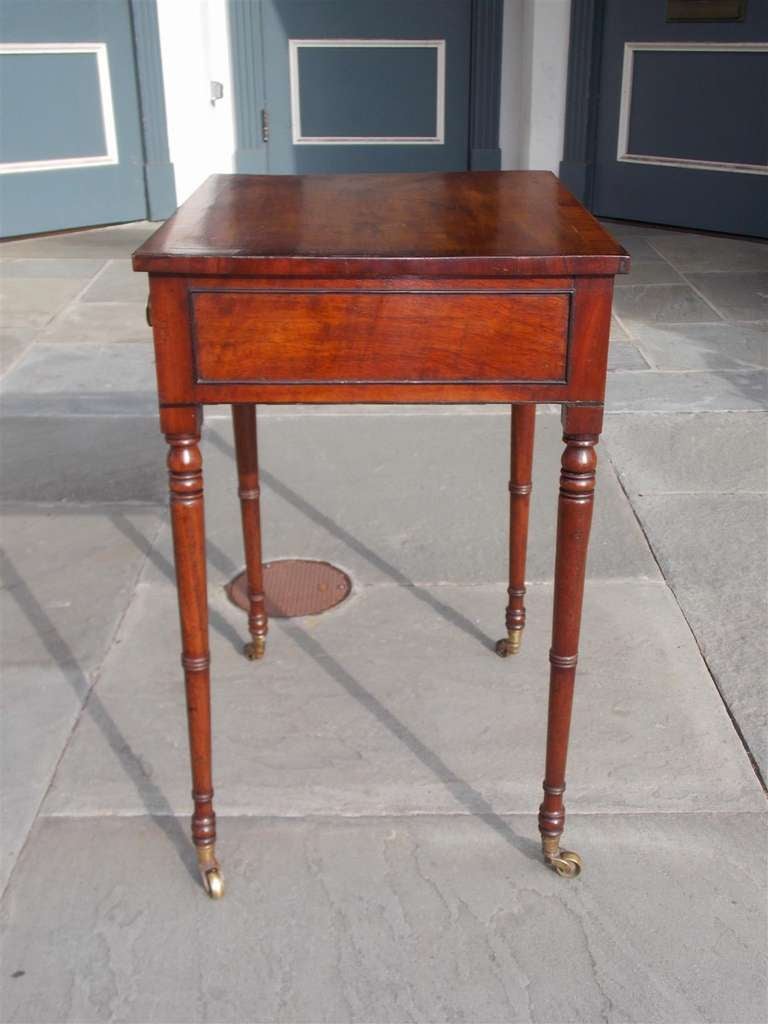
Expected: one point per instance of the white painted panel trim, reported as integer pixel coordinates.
(627, 75)
(438, 139)
(107, 109)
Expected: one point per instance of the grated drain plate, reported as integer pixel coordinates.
(294, 587)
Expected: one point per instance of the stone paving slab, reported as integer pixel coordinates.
(100, 322)
(66, 582)
(670, 303)
(82, 459)
(700, 253)
(37, 268)
(736, 296)
(623, 355)
(388, 920)
(395, 703)
(14, 341)
(404, 498)
(703, 346)
(618, 333)
(640, 251)
(656, 392)
(647, 271)
(689, 452)
(39, 706)
(118, 282)
(31, 302)
(706, 519)
(82, 379)
(713, 550)
(116, 241)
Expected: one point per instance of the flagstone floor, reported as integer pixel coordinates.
(378, 773)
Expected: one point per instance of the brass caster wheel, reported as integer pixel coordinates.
(255, 648)
(213, 883)
(567, 864)
(510, 644)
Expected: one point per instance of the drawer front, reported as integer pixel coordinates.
(272, 336)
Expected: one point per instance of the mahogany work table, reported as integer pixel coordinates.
(402, 288)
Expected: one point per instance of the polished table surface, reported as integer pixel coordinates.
(402, 288)
(476, 224)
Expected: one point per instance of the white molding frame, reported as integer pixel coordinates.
(438, 139)
(107, 108)
(627, 75)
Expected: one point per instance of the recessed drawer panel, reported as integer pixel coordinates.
(305, 336)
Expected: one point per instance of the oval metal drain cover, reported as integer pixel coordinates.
(295, 587)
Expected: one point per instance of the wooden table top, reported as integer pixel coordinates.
(466, 224)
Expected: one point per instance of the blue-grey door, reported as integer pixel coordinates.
(360, 85)
(683, 115)
(70, 142)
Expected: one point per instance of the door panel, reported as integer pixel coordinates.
(70, 145)
(360, 85)
(683, 119)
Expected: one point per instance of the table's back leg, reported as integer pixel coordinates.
(523, 422)
(181, 426)
(246, 449)
(581, 430)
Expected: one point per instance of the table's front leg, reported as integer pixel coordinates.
(181, 426)
(581, 430)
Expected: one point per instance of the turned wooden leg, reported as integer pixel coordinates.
(181, 426)
(581, 430)
(523, 423)
(244, 423)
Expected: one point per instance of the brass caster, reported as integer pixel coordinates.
(510, 644)
(255, 648)
(213, 883)
(567, 864)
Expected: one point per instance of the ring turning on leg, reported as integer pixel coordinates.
(185, 474)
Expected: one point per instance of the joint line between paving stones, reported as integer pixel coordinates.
(692, 286)
(470, 584)
(80, 294)
(95, 676)
(65, 308)
(682, 412)
(622, 812)
(13, 505)
(734, 723)
(622, 325)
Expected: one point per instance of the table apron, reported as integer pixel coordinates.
(423, 342)
(307, 337)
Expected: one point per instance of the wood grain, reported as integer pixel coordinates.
(474, 224)
(368, 336)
